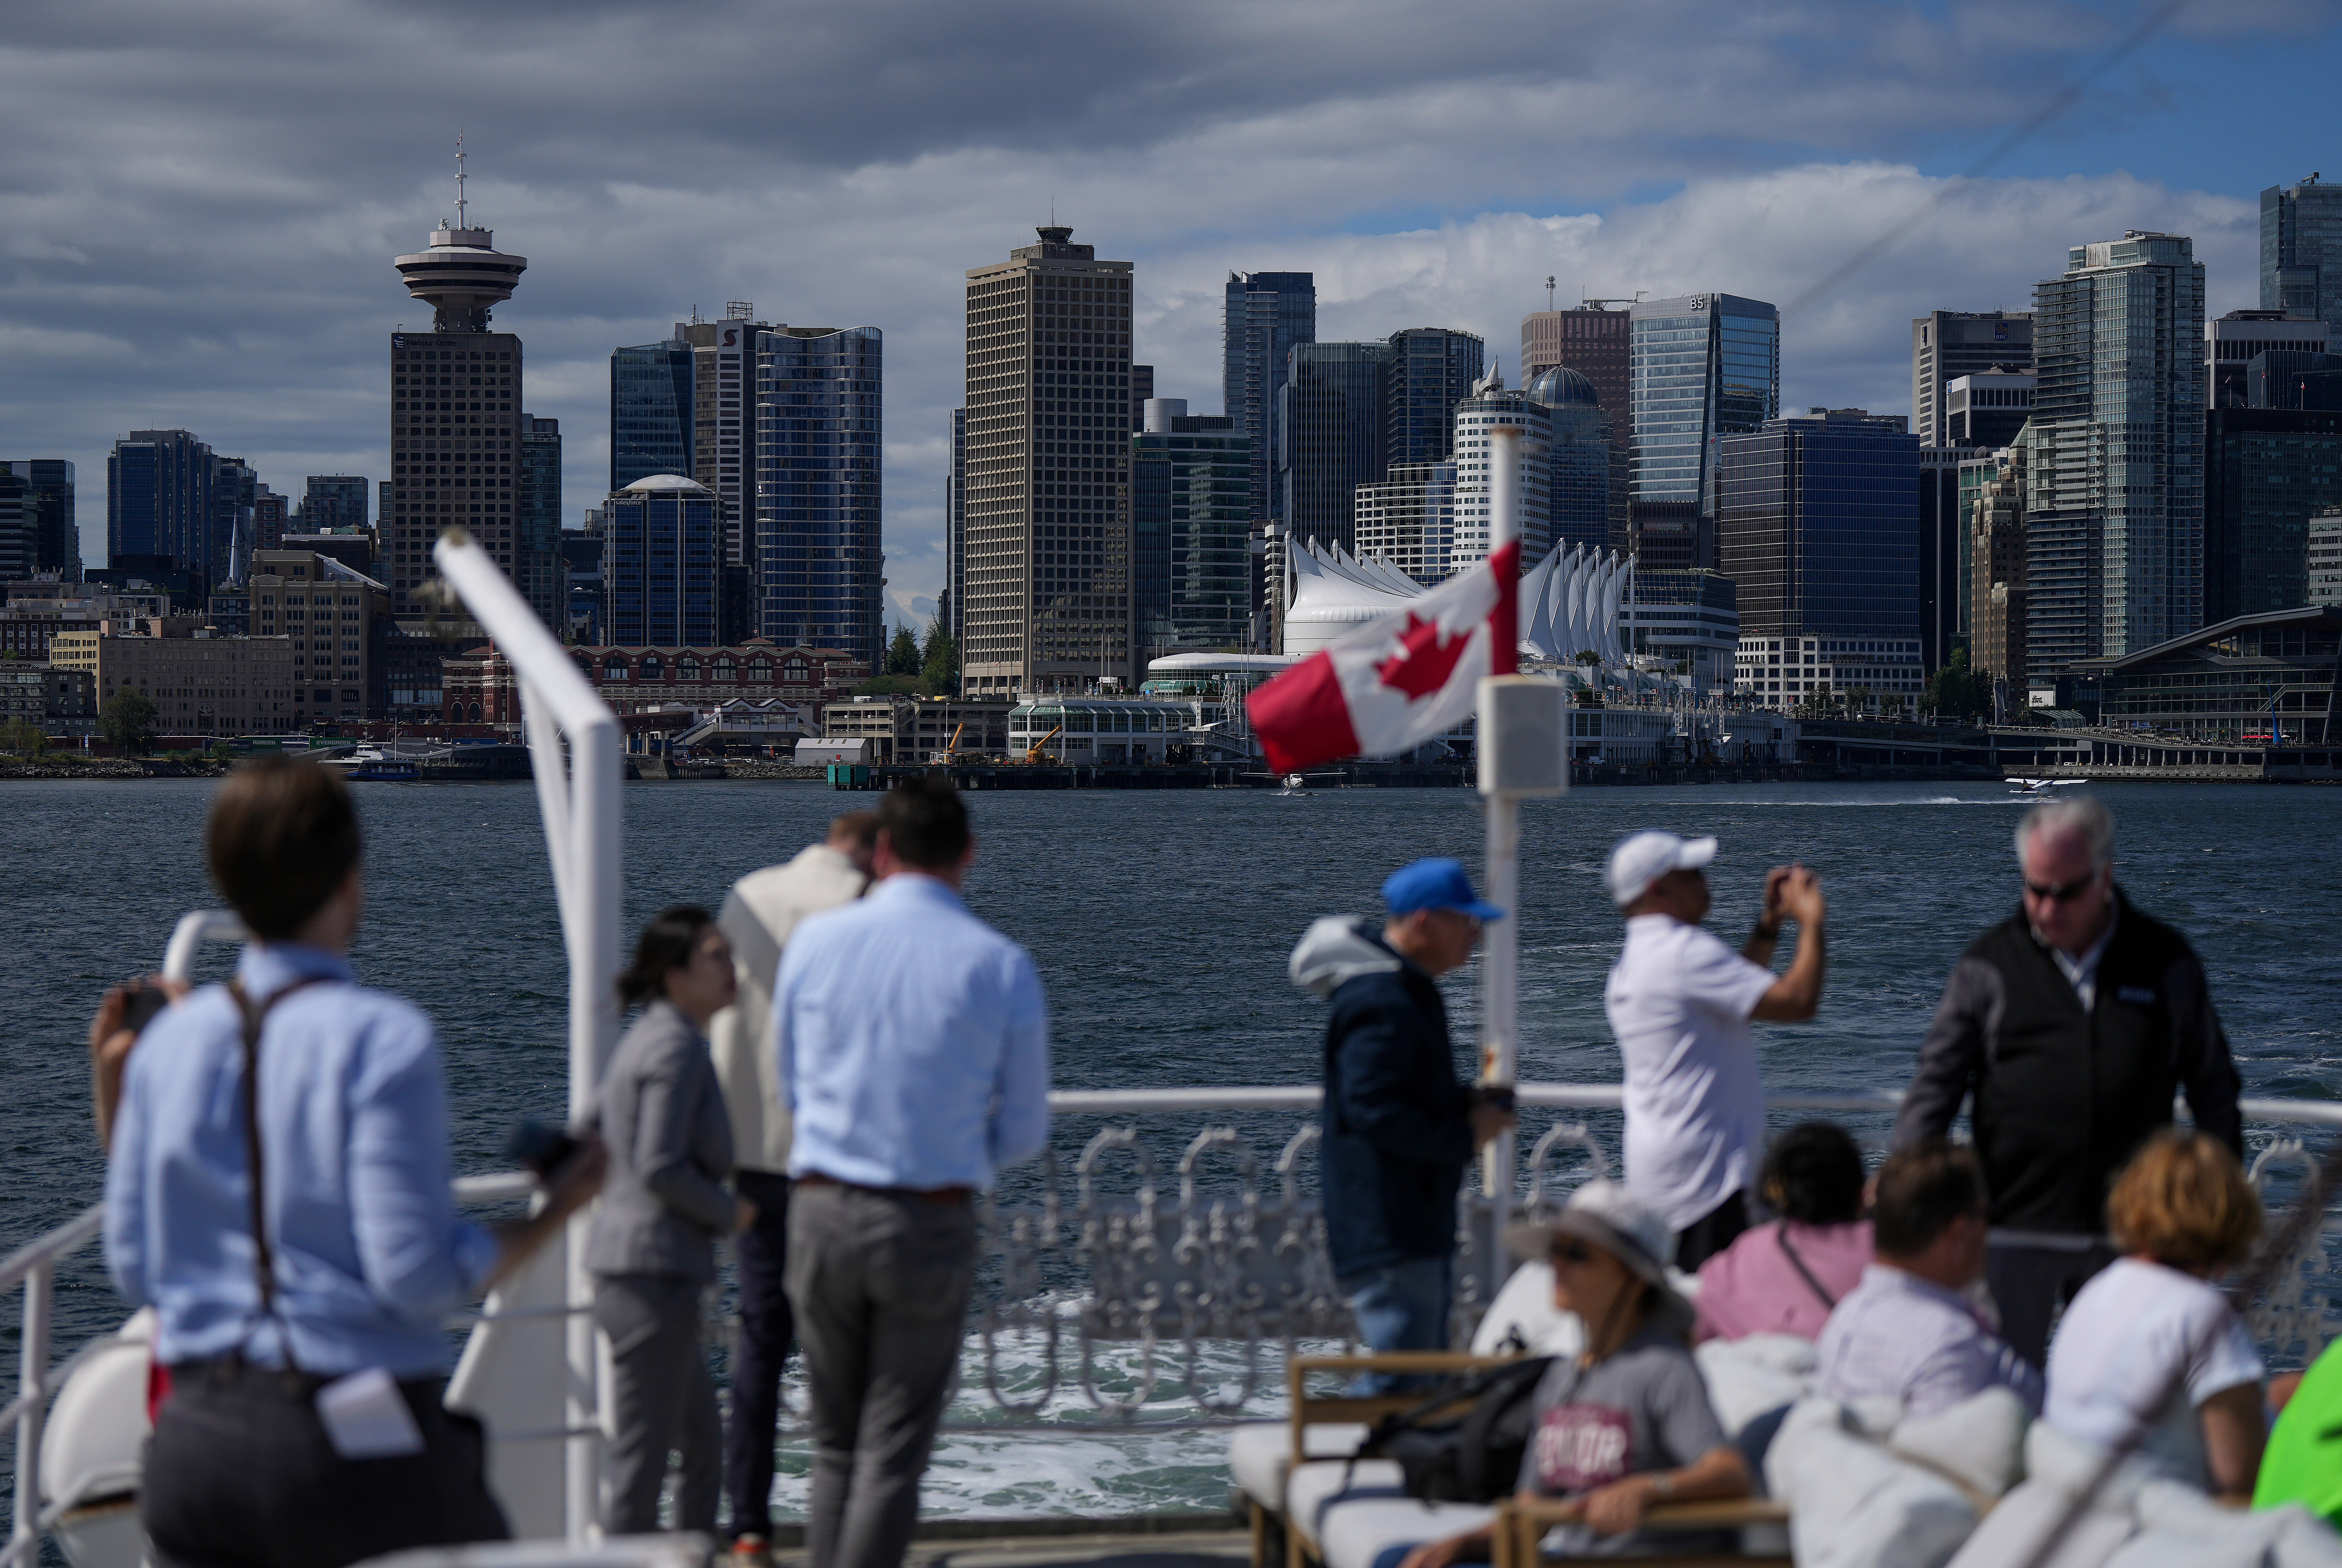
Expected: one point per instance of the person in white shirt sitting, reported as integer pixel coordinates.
(1680, 1002)
(2150, 1342)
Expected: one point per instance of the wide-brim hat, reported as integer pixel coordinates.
(1605, 1214)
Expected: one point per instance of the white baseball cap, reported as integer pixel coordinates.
(1642, 858)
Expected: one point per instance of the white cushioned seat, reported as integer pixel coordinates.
(1260, 1452)
(1353, 1524)
(1315, 1489)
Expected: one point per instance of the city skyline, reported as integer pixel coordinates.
(266, 349)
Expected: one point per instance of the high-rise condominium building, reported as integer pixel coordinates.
(2266, 472)
(1941, 531)
(334, 501)
(455, 402)
(2301, 251)
(2233, 341)
(1266, 314)
(1579, 455)
(1431, 369)
(1409, 519)
(48, 504)
(723, 447)
(160, 511)
(1947, 344)
(650, 410)
(1491, 404)
(2114, 500)
(1329, 437)
(658, 559)
(541, 570)
(1191, 530)
(1598, 342)
(1048, 453)
(1706, 366)
(819, 432)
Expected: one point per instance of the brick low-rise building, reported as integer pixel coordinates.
(478, 687)
(200, 684)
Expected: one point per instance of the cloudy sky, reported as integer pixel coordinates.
(200, 198)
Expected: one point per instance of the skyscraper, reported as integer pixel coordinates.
(1266, 314)
(658, 559)
(819, 431)
(1191, 530)
(955, 530)
(1408, 518)
(48, 502)
(2114, 500)
(1329, 437)
(1577, 485)
(1705, 366)
(19, 547)
(1942, 531)
(2233, 341)
(1986, 408)
(721, 445)
(456, 400)
(650, 410)
(2266, 472)
(1048, 455)
(541, 572)
(1489, 405)
(1598, 342)
(331, 500)
(159, 507)
(1431, 369)
(1947, 344)
(2301, 251)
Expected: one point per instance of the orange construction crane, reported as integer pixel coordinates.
(1034, 754)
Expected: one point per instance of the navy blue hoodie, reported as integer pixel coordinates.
(1397, 1121)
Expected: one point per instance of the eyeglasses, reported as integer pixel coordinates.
(1572, 1252)
(2059, 891)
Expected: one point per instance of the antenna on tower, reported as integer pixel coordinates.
(459, 180)
(1549, 291)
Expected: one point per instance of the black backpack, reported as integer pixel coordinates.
(1474, 1457)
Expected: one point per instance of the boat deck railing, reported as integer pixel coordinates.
(1149, 1293)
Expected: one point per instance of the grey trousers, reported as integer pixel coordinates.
(660, 1398)
(880, 1282)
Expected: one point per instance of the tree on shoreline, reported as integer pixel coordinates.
(128, 720)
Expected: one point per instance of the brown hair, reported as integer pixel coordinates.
(924, 823)
(1922, 1189)
(666, 944)
(283, 836)
(2184, 1201)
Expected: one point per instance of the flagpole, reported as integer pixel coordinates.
(1500, 944)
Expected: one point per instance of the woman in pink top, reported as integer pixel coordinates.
(1784, 1276)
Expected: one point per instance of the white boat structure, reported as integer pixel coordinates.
(1181, 1241)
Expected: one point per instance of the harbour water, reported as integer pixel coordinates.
(1160, 921)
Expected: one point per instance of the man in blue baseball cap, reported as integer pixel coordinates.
(1400, 1124)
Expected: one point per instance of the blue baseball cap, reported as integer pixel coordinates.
(1435, 883)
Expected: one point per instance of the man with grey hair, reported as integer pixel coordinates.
(2072, 1024)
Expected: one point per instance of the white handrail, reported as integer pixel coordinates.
(583, 842)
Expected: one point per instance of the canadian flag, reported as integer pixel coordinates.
(1399, 681)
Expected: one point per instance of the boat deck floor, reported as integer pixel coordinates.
(1200, 1548)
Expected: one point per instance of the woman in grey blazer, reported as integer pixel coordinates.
(652, 1250)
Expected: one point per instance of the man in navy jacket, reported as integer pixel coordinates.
(1400, 1126)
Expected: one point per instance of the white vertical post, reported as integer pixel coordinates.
(32, 1373)
(1500, 948)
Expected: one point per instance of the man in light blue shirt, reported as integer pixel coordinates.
(304, 1332)
(915, 1046)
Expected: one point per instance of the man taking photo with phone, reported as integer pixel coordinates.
(1400, 1125)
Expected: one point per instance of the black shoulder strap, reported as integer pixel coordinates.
(1829, 1302)
(255, 1014)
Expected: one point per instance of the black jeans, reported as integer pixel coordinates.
(2032, 1281)
(239, 1474)
(1711, 1232)
(759, 1353)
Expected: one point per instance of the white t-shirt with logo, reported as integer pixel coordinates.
(2133, 1332)
(1679, 1002)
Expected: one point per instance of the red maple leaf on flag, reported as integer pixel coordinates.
(1424, 659)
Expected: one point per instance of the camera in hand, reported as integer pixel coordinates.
(140, 1007)
(1499, 1096)
(542, 1147)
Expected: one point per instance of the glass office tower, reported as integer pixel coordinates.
(1577, 485)
(158, 499)
(820, 429)
(2301, 251)
(1329, 436)
(658, 557)
(540, 571)
(2266, 472)
(1267, 312)
(1431, 369)
(1705, 366)
(650, 412)
(2114, 498)
(48, 501)
(1820, 526)
(1191, 524)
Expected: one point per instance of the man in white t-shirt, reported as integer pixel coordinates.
(1680, 1003)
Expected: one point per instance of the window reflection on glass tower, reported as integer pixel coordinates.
(2301, 251)
(1706, 366)
(650, 412)
(820, 429)
(1578, 484)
